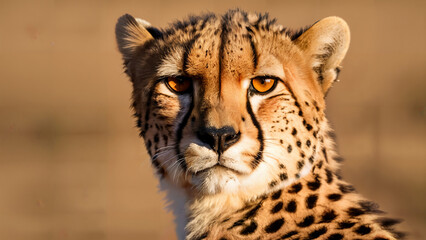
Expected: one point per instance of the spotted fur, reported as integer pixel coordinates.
(237, 163)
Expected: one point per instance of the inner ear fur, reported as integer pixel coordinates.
(131, 33)
(325, 44)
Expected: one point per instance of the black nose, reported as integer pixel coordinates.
(219, 139)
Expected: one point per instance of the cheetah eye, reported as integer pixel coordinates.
(263, 85)
(178, 84)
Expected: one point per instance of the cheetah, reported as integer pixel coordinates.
(231, 109)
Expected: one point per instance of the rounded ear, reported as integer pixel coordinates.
(325, 44)
(131, 33)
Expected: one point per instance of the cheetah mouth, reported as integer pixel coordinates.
(216, 167)
(201, 160)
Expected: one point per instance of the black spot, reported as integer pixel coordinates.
(249, 229)
(307, 104)
(307, 221)
(281, 141)
(354, 212)
(300, 164)
(243, 119)
(253, 211)
(294, 132)
(346, 188)
(325, 154)
(370, 207)
(193, 119)
(203, 236)
(274, 226)
(308, 143)
(291, 206)
(299, 143)
(277, 207)
(156, 138)
(289, 148)
(302, 155)
(311, 201)
(387, 222)
(336, 236)
(311, 159)
(236, 224)
(295, 188)
(315, 134)
(273, 183)
(329, 175)
(156, 163)
(300, 113)
(334, 197)
(363, 230)
(139, 122)
(276, 195)
(314, 185)
(289, 234)
(281, 166)
(283, 176)
(319, 165)
(328, 216)
(309, 127)
(317, 233)
(346, 224)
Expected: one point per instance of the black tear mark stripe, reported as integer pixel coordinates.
(181, 159)
(259, 154)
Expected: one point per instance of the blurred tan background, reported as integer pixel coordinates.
(72, 165)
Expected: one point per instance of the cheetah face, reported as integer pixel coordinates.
(217, 104)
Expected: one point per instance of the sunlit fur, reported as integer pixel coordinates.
(284, 135)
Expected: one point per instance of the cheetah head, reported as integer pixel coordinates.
(231, 104)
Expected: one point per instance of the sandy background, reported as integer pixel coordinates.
(72, 165)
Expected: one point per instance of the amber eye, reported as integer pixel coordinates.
(178, 84)
(263, 85)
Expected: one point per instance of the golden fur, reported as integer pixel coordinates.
(279, 141)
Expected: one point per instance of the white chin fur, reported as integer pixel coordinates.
(216, 180)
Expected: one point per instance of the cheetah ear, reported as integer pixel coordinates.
(326, 44)
(131, 33)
